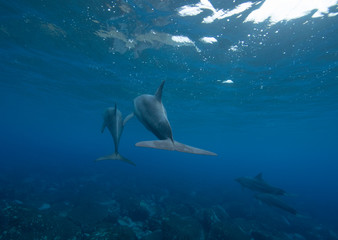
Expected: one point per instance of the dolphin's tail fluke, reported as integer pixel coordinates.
(188, 149)
(167, 144)
(116, 156)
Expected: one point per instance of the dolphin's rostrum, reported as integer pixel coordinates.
(112, 119)
(151, 113)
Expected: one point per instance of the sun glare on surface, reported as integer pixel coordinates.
(284, 10)
(272, 11)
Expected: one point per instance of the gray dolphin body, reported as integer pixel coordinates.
(151, 113)
(274, 201)
(259, 185)
(112, 119)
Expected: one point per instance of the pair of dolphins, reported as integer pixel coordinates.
(265, 192)
(150, 111)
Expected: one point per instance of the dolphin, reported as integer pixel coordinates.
(259, 185)
(151, 113)
(112, 119)
(274, 201)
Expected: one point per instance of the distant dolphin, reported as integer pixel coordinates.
(259, 185)
(151, 113)
(112, 119)
(274, 201)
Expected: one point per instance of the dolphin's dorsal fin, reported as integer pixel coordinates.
(259, 177)
(158, 94)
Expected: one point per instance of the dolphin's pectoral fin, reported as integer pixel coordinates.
(188, 149)
(131, 115)
(158, 144)
(116, 156)
(104, 124)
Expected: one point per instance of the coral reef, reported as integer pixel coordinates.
(83, 209)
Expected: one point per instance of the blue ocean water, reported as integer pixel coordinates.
(263, 95)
